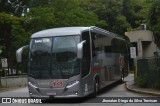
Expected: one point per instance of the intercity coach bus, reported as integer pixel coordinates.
(74, 61)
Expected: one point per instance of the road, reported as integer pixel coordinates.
(116, 90)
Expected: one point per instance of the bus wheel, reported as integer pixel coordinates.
(96, 87)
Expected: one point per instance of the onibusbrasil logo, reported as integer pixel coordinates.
(20, 100)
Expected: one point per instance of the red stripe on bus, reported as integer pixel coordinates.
(96, 68)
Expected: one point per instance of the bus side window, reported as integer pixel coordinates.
(86, 54)
(94, 46)
(97, 44)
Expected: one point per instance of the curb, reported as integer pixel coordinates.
(141, 92)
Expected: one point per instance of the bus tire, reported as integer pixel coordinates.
(96, 87)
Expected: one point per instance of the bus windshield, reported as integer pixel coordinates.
(54, 57)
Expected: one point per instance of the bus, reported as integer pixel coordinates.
(70, 62)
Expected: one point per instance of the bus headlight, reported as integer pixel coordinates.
(72, 83)
(32, 85)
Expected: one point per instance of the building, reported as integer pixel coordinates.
(143, 40)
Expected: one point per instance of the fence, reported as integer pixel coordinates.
(16, 70)
(13, 76)
(148, 71)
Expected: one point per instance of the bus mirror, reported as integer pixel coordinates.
(19, 53)
(80, 49)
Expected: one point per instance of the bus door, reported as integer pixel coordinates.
(85, 64)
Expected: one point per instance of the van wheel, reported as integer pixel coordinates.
(96, 87)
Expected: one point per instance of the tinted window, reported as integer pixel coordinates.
(64, 57)
(54, 57)
(86, 54)
(119, 46)
(100, 43)
(40, 56)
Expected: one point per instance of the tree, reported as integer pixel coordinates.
(13, 35)
(60, 13)
(110, 11)
(37, 3)
(133, 11)
(14, 7)
(153, 19)
(39, 18)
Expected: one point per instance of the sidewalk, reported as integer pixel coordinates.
(130, 85)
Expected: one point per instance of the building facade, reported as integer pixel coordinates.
(144, 42)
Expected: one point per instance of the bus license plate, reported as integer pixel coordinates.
(51, 93)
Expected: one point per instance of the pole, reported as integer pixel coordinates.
(135, 70)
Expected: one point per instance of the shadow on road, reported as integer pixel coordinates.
(110, 87)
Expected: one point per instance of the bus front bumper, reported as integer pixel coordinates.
(46, 93)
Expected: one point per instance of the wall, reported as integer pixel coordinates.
(148, 49)
(145, 42)
(144, 35)
(13, 81)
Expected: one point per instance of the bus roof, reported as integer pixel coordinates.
(72, 31)
(59, 31)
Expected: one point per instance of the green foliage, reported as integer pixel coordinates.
(153, 19)
(37, 3)
(13, 35)
(156, 83)
(120, 15)
(40, 18)
(15, 7)
(150, 79)
(11, 29)
(109, 11)
(114, 15)
(60, 13)
(78, 17)
(142, 80)
(132, 11)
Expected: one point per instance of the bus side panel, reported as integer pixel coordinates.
(106, 54)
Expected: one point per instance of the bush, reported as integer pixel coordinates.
(157, 84)
(157, 81)
(142, 80)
